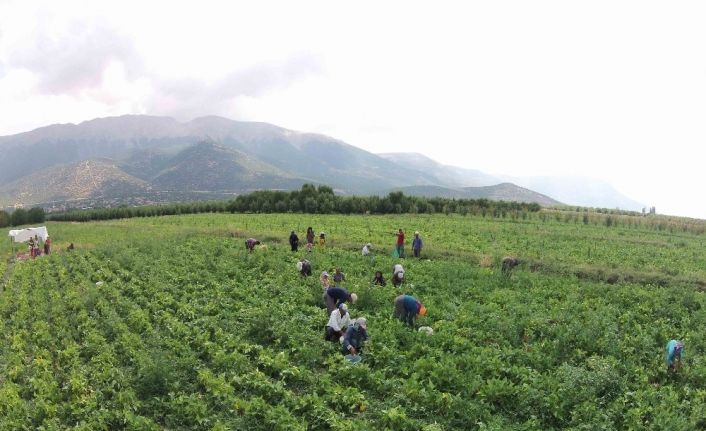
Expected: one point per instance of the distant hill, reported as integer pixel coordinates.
(143, 147)
(504, 192)
(571, 190)
(211, 167)
(581, 191)
(81, 180)
(442, 174)
(155, 159)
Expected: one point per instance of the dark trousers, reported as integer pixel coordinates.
(332, 335)
(330, 303)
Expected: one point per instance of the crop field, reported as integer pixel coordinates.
(167, 323)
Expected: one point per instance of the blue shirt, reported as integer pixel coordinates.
(338, 293)
(417, 243)
(355, 336)
(675, 350)
(411, 305)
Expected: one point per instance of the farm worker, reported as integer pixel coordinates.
(294, 241)
(36, 246)
(30, 246)
(338, 277)
(250, 244)
(47, 245)
(356, 335)
(304, 267)
(325, 280)
(309, 238)
(407, 308)
(322, 240)
(379, 279)
(399, 248)
(340, 319)
(508, 263)
(397, 275)
(417, 244)
(366, 249)
(334, 296)
(675, 352)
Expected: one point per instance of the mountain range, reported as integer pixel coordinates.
(137, 159)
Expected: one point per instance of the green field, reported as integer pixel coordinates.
(188, 331)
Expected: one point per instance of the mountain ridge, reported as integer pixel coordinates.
(242, 156)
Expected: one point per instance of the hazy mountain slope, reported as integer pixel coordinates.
(249, 155)
(504, 192)
(582, 191)
(88, 179)
(113, 137)
(210, 167)
(304, 155)
(442, 174)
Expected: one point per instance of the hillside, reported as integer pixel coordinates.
(210, 167)
(82, 180)
(250, 155)
(500, 192)
(582, 191)
(445, 175)
(571, 190)
(128, 138)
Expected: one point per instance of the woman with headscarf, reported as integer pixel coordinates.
(294, 241)
(407, 308)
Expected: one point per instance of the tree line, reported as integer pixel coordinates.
(314, 200)
(22, 216)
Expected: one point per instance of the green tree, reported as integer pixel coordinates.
(19, 217)
(4, 219)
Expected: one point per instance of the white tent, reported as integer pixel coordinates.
(23, 235)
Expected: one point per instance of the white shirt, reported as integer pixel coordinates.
(398, 268)
(336, 322)
(366, 250)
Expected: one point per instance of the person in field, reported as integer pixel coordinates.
(417, 244)
(407, 308)
(674, 355)
(322, 241)
(335, 296)
(250, 244)
(325, 280)
(397, 274)
(309, 238)
(366, 249)
(294, 241)
(379, 280)
(37, 244)
(355, 337)
(304, 267)
(338, 277)
(399, 246)
(47, 245)
(30, 246)
(508, 263)
(339, 320)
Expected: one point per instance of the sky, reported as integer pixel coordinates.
(614, 90)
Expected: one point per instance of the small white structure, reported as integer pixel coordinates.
(23, 235)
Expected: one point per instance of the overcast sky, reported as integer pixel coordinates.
(610, 89)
